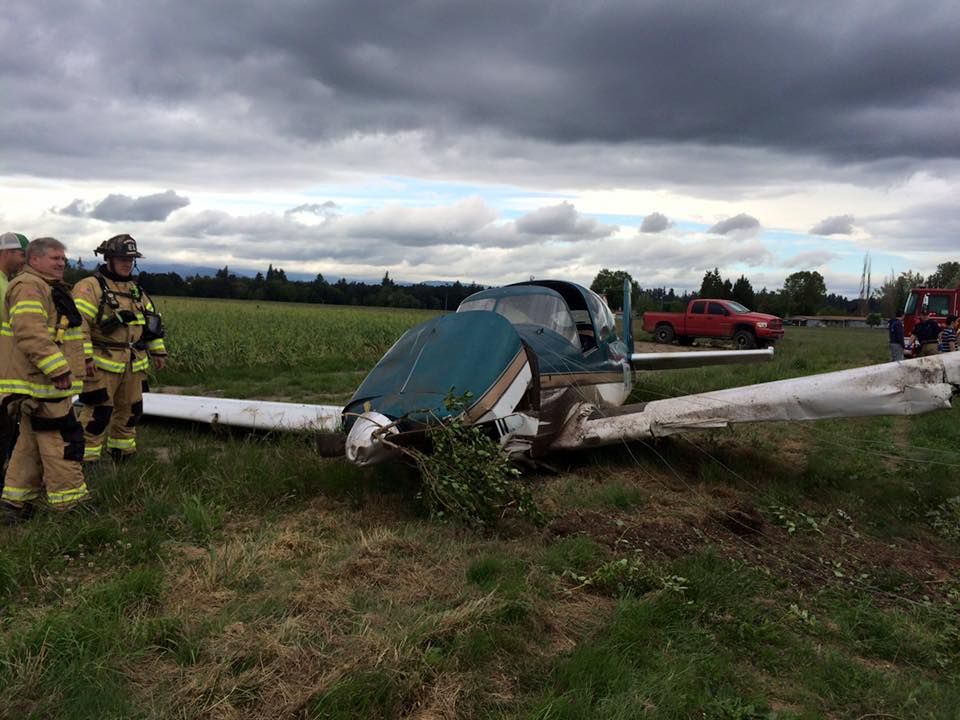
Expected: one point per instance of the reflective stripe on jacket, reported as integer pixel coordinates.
(35, 344)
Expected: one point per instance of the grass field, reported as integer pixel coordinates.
(778, 571)
(285, 350)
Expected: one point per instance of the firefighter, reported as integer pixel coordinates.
(12, 256)
(125, 332)
(41, 366)
(13, 247)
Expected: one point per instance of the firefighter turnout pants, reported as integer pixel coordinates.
(111, 402)
(48, 456)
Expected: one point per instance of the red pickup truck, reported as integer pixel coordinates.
(708, 318)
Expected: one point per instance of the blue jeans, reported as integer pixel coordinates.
(896, 352)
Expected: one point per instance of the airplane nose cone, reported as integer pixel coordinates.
(365, 441)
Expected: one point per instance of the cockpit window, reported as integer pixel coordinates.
(606, 326)
(547, 310)
(482, 304)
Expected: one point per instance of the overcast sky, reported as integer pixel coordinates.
(489, 141)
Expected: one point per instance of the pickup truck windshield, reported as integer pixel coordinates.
(737, 307)
(547, 310)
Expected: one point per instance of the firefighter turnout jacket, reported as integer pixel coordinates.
(39, 340)
(42, 340)
(116, 310)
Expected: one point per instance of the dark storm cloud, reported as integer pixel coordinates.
(116, 207)
(654, 223)
(836, 225)
(190, 86)
(737, 222)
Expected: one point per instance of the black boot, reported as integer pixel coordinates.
(11, 515)
(119, 456)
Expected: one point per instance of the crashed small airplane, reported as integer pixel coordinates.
(540, 366)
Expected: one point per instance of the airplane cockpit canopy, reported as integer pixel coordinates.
(591, 314)
(527, 305)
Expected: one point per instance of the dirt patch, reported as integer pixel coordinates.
(683, 521)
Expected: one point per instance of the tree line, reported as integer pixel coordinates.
(803, 293)
(275, 286)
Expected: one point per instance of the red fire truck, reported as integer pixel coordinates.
(922, 300)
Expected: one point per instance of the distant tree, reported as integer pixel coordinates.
(892, 294)
(947, 275)
(712, 285)
(223, 274)
(805, 292)
(743, 292)
(275, 274)
(386, 282)
(874, 319)
(839, 304)
(609, 283)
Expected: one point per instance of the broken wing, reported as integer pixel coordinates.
(899, 388)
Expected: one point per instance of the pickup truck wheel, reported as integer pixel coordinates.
(744, 340)
(663, 334)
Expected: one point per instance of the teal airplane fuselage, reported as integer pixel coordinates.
(518, 357)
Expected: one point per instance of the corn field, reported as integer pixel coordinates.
(226, 335)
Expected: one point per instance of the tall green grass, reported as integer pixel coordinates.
(271, 348)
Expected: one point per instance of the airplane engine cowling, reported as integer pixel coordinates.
(477, 352)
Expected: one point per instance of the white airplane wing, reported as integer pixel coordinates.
(697, 358)
(255, 414)
(910, 387)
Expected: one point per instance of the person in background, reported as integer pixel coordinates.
(895, 330)
(41, 369)
(12, 257)
(948, 336)
(926, 336)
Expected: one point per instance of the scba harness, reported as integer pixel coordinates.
(151, 320)
(67, 314)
